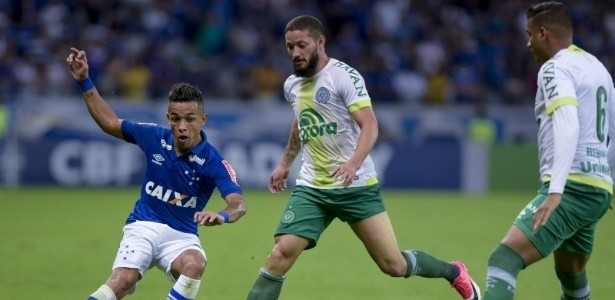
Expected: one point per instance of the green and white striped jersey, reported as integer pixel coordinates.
(323, 105)
(575, 77)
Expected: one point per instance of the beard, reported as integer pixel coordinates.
(310, 68)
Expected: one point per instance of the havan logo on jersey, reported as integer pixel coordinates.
(312, 124)
(548, 75)
(167, 195)
(359, 86)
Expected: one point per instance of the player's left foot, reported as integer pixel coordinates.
(464, 284)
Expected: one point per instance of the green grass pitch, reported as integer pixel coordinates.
(59, 243)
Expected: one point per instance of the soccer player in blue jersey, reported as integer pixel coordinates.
(574, 111)
(335, 128)
(182, 171)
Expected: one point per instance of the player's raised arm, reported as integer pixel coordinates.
(100, 111)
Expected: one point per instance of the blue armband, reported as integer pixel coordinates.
(225, 215)
(85, 84)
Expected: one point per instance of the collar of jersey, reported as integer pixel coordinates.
(201, 145)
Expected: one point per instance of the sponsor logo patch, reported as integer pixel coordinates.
(288, 217)
(158, 159)
(230, 170)
(196, 159)
(166, 146)
(322, 95)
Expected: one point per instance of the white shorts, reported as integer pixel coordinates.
(148, 244)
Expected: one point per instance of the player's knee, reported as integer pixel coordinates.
(287, 248)
(393, 267)
(280, 253)
(193, 266)
(123, 280)
(505, 258)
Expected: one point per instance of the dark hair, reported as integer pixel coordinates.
(553, 15)
(184, 92)
(306, 22)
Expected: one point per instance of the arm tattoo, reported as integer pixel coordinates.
(292, 149)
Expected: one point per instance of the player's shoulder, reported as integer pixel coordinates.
(343, 74)
(208, 150)
(290, 80)
(572, 57)
(155, 127)
(337, 66)
(140, 124)
(559, 63)
(575, 60)
(148, 126)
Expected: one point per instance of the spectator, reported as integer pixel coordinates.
(470, 48)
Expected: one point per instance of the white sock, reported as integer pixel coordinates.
(184, 289)
(103, 293)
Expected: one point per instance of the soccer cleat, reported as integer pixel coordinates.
(464, 285)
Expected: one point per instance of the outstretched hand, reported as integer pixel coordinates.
(208, 218)
(78, 64)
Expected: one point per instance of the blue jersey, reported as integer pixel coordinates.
(176, 187)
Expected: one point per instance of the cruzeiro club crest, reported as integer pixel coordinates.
(312, 124)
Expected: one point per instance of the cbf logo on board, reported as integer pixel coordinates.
(312, 124)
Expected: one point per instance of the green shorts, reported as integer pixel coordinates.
(309, 210)
(572, 224)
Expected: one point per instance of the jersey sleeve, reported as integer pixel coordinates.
(225, 177)
(353, 90)
(139, 133)
(566, 134)
(557, 85)
(287, 94)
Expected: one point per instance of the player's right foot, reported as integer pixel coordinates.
(464, 285)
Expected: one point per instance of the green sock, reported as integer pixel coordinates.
(503, 268)
(574, 287)
(424, 265)
(266, 286)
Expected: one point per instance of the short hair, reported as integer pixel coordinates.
(553, 15)
(185, 92)
(311, 23)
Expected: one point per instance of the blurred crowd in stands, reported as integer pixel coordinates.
(433, 52)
